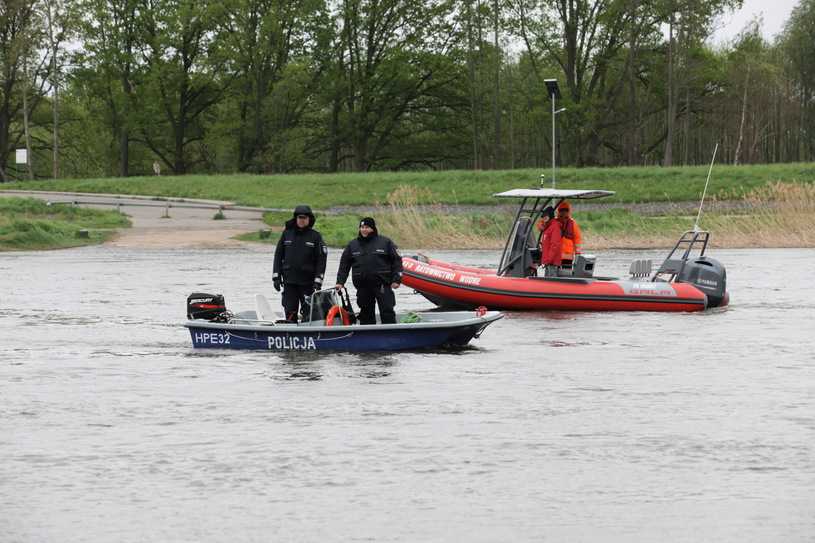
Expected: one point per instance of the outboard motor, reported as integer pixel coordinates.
(204, 306)
(709, 276)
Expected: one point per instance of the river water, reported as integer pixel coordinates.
(554, 427)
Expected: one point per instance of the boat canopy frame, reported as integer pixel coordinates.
(688, 241)
(533, 202)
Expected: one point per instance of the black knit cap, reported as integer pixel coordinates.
(368, 221)
(549, 211)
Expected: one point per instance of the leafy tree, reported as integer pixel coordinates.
(262, 38)
(23, 70)
(185, 76)
(109, 65)
(797, 43)
(392, 58)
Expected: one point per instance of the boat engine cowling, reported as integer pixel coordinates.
(709, 276)
(204, 306)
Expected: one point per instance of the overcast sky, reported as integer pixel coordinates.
(774, 13)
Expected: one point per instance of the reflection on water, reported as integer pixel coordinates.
(552, 426)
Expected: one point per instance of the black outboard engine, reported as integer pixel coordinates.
(709, 276)
(208, 307)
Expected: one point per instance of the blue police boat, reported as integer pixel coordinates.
(327, 324)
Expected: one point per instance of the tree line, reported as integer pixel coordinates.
(97, 88)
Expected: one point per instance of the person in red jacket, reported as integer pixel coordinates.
(571, 237)
(550, 243)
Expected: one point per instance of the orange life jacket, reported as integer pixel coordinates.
(569, 247)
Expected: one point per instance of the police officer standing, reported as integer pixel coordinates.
(299, 261)
(376, 270)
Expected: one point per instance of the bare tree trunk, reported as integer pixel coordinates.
(334, 136)
(473, 90)
(25, 117)
(743, 117)
(55, 85)
(124, 134)
(686, 137)
(496, 101)
(667, 159)
(799, 145)
(805, 120)
(511, 127)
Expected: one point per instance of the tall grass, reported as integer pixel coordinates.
(432, 227)
(779, 215)
(776, 215)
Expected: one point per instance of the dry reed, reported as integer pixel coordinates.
(434, 227)
(778, 215)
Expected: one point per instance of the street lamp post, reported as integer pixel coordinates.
(554, 94)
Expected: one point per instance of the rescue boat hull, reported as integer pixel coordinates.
(452, 286)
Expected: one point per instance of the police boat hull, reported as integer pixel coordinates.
(433, 330)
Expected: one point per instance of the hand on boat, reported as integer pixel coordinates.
(339, 286)
(395, 285)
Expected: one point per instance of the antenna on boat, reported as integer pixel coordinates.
(704, 192)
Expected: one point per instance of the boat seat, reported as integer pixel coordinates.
(641, 268)
(263, 309)
(672, 266)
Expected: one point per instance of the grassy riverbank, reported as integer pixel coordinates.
(29, 224)
(774, 204)
(323, 191)
(778, 215)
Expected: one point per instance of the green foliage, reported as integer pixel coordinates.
(270, 87)
(27, 224)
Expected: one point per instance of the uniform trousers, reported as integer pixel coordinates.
(293, 297)
(368, 296)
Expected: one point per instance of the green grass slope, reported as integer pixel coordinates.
(631, 184)
(29, 224)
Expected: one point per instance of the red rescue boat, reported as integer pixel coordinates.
(687, 280)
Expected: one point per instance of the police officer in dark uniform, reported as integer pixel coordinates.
(376, 270)
(299, 261)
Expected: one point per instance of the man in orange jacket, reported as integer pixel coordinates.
(571, 240)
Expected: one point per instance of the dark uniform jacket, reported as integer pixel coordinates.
(300, 254)
(374, 260)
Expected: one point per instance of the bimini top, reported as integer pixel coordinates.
(554, 193)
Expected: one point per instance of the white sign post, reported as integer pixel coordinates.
(21, 156)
